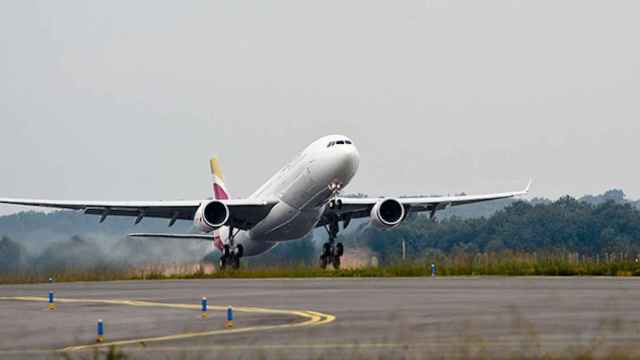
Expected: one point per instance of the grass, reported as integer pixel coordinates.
(511, 264)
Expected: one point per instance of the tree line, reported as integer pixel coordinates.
(566, 225)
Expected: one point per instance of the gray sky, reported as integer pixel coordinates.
(126, 100)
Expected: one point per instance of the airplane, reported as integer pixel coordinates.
(302, 196)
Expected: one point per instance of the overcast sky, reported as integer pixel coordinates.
(127, 100)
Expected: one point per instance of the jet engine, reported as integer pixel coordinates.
(387, 213)
(211, 215)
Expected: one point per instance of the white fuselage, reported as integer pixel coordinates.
(302, 190)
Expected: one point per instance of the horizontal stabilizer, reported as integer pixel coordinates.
(206, 237)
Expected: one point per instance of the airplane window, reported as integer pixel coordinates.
(348, 142)
(340, 142)
(331, 144)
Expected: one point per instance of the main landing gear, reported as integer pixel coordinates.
(332, 251)
(231, 253)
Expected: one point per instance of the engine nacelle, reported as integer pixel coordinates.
(211, 215)
(387, 213)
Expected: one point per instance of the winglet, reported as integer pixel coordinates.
(526, 190)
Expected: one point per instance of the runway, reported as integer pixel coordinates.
(293, 318)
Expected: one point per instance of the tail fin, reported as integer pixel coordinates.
(219, 190)
(219, 193)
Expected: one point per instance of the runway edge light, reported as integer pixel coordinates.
(100, 330)
(204, 307)
(52, 304)
(228, 323)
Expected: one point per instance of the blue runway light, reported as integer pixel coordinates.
(100, 330)
(52, 304)
(205, 307)
(229, 322)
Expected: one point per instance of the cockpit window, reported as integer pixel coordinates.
(339, 142)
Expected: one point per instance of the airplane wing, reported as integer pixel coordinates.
(205, 237)
(354, 208)
(244, 214)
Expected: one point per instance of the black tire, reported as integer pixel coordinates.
(223, 263)
(339, 204)
(326, 250)
(239, 251)
(339, 249)
(235, 263)
(323, 262)
(226, 251)
(336, 262)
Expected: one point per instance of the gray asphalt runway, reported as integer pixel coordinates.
(419, 317)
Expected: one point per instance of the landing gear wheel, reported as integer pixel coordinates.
(331, 252)
(339, 250)
(336, 262)
(325, 257)
(231, 253)
(326, 250)
(331, 255)
(239, 251)
(232, 261)
(323, 262)
(235, 263)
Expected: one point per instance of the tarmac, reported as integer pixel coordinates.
(442, 317)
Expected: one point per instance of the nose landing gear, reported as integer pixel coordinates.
(332, 252)
(231, 253)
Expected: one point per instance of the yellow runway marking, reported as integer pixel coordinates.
(312, 318)
(311, 346)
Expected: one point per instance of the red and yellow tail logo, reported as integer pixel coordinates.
(219, 190)
(219, 193)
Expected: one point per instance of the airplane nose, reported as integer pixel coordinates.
(337, 166)
(349, 160)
